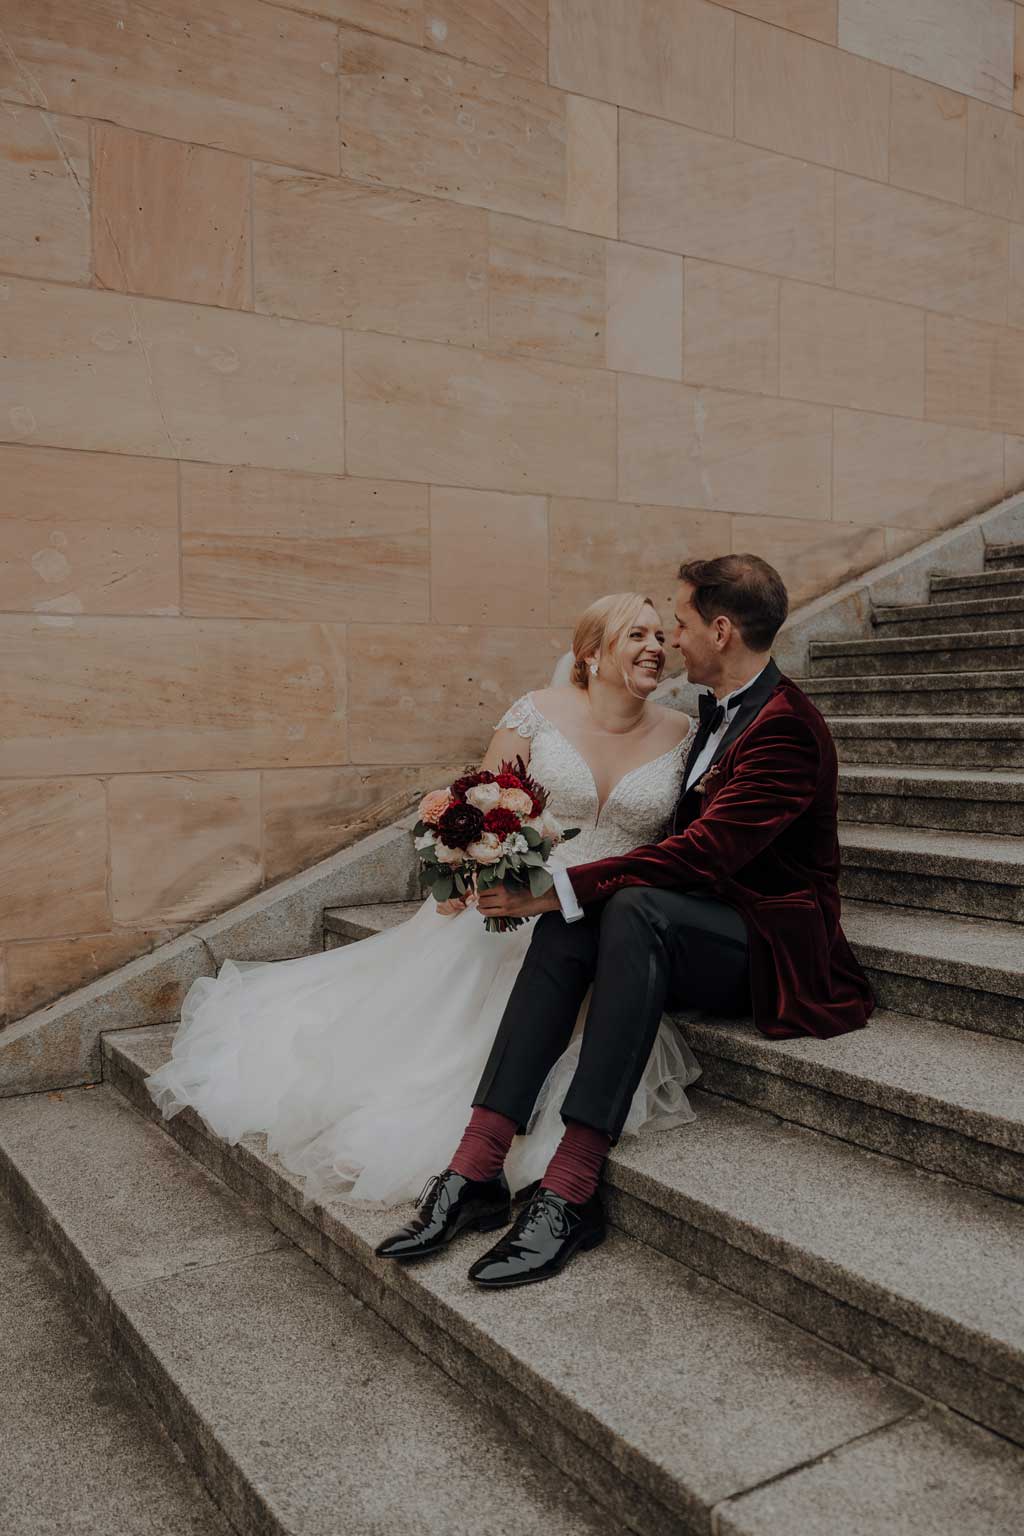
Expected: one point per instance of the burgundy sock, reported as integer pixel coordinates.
(575, 1169)
(485, 1141)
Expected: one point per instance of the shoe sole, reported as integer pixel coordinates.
(482, 1224)
(507, 1285)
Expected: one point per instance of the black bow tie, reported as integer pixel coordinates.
(711, 712)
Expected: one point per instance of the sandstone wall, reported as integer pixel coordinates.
(350, 347)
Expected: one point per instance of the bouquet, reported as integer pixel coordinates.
(485, 829)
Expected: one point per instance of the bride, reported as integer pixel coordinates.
(360, 1063)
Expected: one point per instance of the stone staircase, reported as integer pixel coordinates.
(809, 1318)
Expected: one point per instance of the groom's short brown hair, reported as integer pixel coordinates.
(746, 589)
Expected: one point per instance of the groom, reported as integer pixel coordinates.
(735, 911)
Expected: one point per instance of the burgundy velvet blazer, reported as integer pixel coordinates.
(758, 831)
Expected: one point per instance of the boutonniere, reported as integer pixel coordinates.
(703, 782)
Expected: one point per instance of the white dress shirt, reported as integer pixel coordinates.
(571, 909)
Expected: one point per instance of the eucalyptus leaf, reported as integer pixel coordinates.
(540, 882)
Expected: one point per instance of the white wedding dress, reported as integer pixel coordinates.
(360, 1063)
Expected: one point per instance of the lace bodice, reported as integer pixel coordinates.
(635, 812)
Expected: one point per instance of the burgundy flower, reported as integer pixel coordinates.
(460, 825)
(469, 780)
(501, 822)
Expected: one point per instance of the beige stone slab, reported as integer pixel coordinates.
(235, 74)
(246, 389)
(897, 245)
(814, 18)
(810, 100)
(43, 969)
(273, 544)
(913, 474)
(488, 557)
(706, 196)
(545, 291)
(645, 311)
(847, 350)
(182, 846)
(592, 166)
(1018, 61)
(928, 138)
(104, 695)
(606, 546)
(399, 19)
(965, 44)
(811, 557)
(413, 119)
(73, 373)
(686, 447)
(53, 848)
(1013, 470)
(503, 34)
(337, 252)
(995, 161)
(170, 219)
(673, 61)
(87, 532)
(45, 195)
(308, 812)
(731, 328)
(443, 415)
(975, 374)
(1015, 309)
(443, 683)
(104, 371)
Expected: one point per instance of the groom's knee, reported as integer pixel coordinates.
(633, 904)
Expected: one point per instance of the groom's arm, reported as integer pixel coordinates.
(773, 782)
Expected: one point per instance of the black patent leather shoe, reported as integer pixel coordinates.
(448, 1204)
(544, 1237)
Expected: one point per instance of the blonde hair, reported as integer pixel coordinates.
(602, 629)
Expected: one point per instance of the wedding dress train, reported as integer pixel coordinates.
(360, 1063)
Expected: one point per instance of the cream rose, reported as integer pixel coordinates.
(517, 801)
(487, 848)
(483, 796)
(446, 855)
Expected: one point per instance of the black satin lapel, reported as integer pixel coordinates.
(752, 705)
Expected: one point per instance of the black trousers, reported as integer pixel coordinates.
(645, 950)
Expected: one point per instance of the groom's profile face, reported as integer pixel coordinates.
(694, 640)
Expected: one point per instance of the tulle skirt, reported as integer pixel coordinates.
(360, 1063)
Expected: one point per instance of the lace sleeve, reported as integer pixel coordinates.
(521, 716)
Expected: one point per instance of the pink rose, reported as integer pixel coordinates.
(517, 801)
(434, 805)
(486, 849)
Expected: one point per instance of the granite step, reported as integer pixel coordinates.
(968, 616)
(66, 1408)
(1004, 556)
(943, 798)
(939, 1098)
(903, 1269)
(975, 874)
(964, 971)
(923, 693)
(899, 655)
(1008, 583)
(960, 742)
(301, 1411)
(652, 1385)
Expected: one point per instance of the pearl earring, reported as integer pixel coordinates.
(593, 669)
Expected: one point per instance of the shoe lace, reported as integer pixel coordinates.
(429, 1190)
(544, 1205)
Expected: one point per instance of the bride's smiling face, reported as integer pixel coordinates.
(642, 652)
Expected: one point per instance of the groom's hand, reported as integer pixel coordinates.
(501, 901)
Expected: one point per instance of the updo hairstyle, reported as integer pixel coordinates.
(602, 630)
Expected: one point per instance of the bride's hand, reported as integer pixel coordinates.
(453, 905)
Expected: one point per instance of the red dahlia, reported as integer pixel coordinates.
(501, 822)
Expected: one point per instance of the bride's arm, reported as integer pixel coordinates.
(505, 746)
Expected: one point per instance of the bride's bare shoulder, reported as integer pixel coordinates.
(559, 700)
(675, 720)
